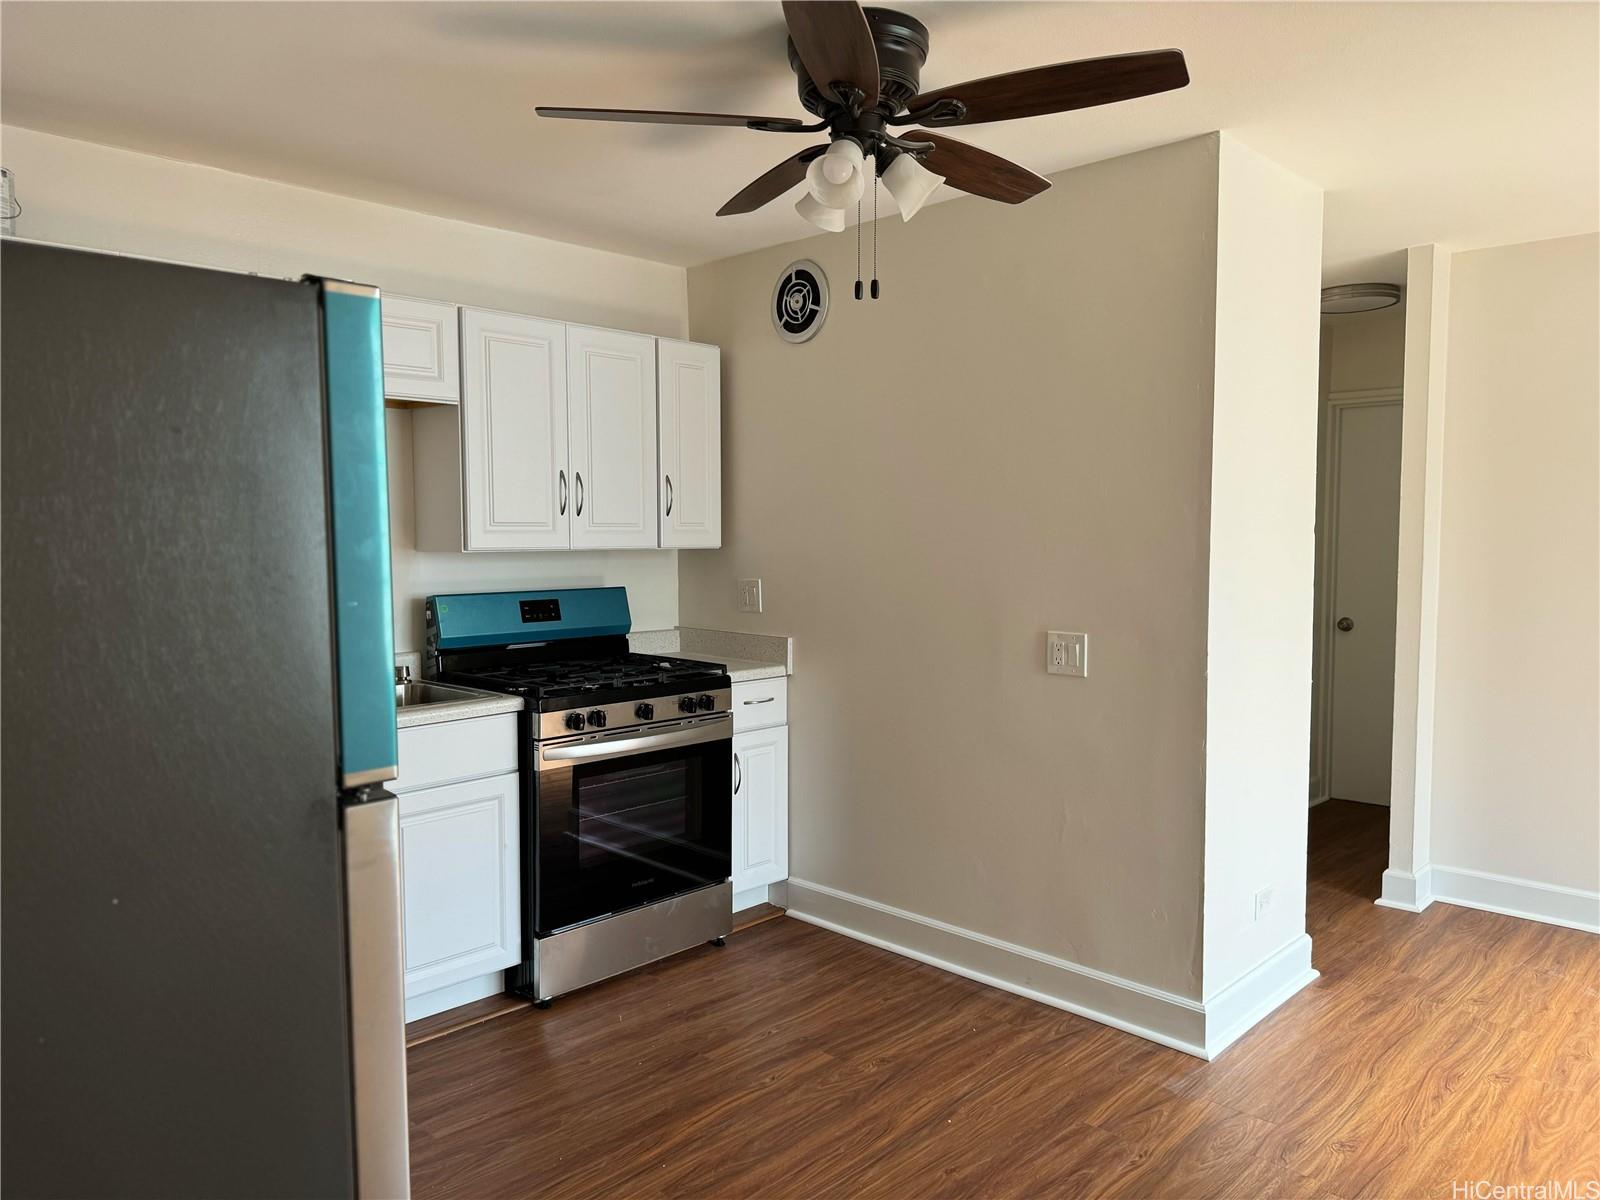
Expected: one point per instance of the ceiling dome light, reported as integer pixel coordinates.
(1357, 297)
(820, 215)
(838, 177)
(910, 183)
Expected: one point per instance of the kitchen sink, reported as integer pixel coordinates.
(416, 693)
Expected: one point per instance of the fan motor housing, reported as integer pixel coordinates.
(902, 45)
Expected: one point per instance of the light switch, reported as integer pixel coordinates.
(750, 595)
(1066, 653)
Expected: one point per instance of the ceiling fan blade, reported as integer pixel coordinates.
(1059, 88)
(835, 44)
(650, 116)
(977, 171)
(774, 183)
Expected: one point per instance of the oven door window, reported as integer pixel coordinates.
(617, 833)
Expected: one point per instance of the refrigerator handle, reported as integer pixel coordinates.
(377, 994)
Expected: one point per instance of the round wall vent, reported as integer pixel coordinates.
(800, 301)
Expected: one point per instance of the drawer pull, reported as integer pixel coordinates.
(763, 700)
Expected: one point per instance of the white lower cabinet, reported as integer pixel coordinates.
(459, 867)
(760, 791)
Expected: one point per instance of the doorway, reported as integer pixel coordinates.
(1358, 521)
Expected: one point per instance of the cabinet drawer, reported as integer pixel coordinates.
(760, 703)
(451, 750)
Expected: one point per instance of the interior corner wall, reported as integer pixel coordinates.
(103, 198)
(1516, 764)
(1013, 439)
(1262, 550)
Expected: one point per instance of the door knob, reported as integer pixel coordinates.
(1345, 625)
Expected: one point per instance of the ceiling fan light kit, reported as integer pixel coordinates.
(819, 214)
(859, 72)
(910, 183)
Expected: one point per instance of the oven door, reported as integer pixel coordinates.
(631, 817)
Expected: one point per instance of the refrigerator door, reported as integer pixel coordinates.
(358, 488)
(377, 994)
(176, 1018)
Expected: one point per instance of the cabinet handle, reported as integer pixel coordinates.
(563, 477)
(738, 774)
(763, 700)
(577, 477)
(669, 495)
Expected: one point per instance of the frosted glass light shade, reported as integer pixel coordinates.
(820, 215)
(837, 178)
(910, 183)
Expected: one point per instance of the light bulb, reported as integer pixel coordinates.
(910, 183)
(837, 178)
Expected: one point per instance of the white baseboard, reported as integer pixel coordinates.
(1407, 891)
(1151, 1013)
(1322, 799)
(455, 995)
(1551, 903)
(1235, 1010)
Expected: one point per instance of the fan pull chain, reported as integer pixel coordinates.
(858, 249)
(874, 230)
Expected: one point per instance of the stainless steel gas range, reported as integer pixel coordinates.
(626, 807)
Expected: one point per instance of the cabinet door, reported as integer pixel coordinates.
(421, 350)
(611, 410)
(459, 881)
(760, 807)
(689, 379)
(514, 476)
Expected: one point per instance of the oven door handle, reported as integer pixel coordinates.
(615, 746)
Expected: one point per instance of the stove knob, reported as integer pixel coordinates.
(597, 719)
(644, 712)
(574, 720)
(686, 704)
(706, 703)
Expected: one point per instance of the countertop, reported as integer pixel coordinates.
(747, 656)
(483, 704)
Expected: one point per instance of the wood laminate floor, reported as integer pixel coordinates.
(1451, 1045)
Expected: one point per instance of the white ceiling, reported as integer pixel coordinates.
(1470, 124)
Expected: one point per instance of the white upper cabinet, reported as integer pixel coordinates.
(514, 432)
(689, 382)
(611, 427)
(421, 344)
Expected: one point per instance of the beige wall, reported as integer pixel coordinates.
(1263, 517)
(1516, 781)
(104, 198)
(1015, 438)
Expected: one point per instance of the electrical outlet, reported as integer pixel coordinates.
(1066, 653)
(750, 595)
(1263, 902)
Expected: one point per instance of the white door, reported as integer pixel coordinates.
(1364, 528)
(459, 881)
(421, 344)
(515, 480)
(760, 807)
(611, 411)
(689, 377)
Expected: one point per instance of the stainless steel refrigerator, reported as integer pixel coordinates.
(200, 924)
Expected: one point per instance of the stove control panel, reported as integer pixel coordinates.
(583, 718)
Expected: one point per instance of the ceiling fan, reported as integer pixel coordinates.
(860, 74)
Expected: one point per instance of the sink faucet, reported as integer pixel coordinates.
(402, 676)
